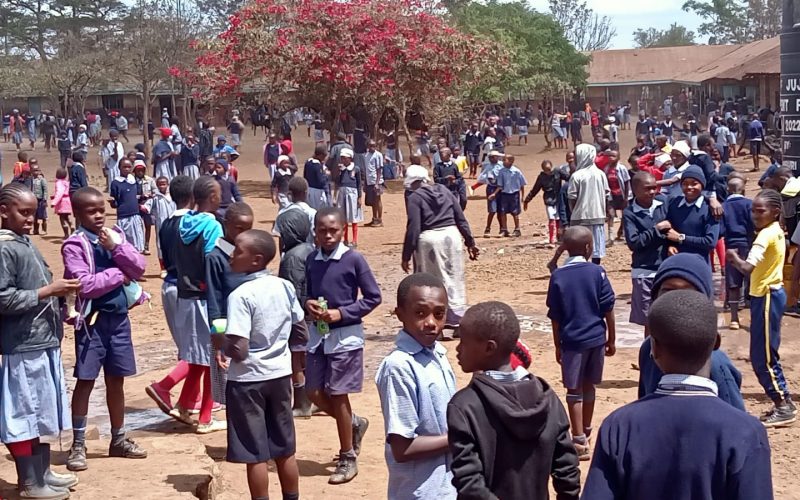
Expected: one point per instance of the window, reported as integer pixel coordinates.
(112, 102)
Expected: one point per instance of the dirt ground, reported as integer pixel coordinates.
(182, 465)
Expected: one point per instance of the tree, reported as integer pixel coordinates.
(541, 59)
(585, 29)
(674, 36)
(333, 55)
(736, 21)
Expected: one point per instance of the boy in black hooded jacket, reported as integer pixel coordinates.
(508, 431)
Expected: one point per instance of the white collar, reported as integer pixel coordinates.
(225, 246)
(576, 259)
(734, 196)
(130, 179)
(337, 254)
(697, 203)
(639, 208)
(675, 382)
(180, 212)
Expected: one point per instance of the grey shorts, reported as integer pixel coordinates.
(337, 373)
(582, 367)
(640, 300)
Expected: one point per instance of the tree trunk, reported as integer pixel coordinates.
(146, 118)
(404, 123)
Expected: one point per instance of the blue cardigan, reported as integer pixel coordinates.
(697, 223)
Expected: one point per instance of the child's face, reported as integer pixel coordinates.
(92, 215)
(547, 167)
(329, 232)
(244, 259)
(210, 163)
(18, 215)
(234, 226)
(219, 169)
(139, 173)
(671, 284)
(125, 168)
(508, 162)
(346, 160)
(473, 351)
(162, 185)
(36, 171)
(763, 215)
(423, 313)
(645, 191)
(691, 189)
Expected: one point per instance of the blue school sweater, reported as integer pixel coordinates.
(314, 174)
(706, 164)
(641, 236)
(578, 298)
(697, 223)
(687, 445)
(125, 197)
(737, 222)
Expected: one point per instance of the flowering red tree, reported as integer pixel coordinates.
(331, 54)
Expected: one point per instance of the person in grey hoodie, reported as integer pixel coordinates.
(588, 194)
(507, 430)
(294, 229)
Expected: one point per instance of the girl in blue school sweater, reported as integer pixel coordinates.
(693, 228)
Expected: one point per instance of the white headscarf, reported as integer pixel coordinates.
(584, 156)
(416, 173)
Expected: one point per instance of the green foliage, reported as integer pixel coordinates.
(674, 36)
(736, 21)
(540, 59)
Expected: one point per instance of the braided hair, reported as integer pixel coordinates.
(12, 192)
(772, 198)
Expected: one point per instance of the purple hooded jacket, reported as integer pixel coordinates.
(79, 263)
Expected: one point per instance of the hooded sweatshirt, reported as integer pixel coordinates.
(588, 188)
(508, 438)
(294, 230)
(694, 269)
(433, 207)
(199, 232)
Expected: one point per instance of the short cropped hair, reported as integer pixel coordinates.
(180, 189)
(238, 209)
(684, 323)
(417, 280)
(328, 211)
(79, 197)
(263, 243)
(496, 321)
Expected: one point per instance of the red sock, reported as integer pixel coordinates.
(191, 387)
(355, 234)
(207, 403)
(21, 448)
(551, 230)
(720, 249)
(176, 375)
(711, 257)
(161, 264)
(346, 234)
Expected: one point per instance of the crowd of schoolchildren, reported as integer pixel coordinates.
(273, 348)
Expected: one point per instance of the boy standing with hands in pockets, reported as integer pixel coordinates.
(335, 275)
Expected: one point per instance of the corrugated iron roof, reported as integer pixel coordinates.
(692, 64)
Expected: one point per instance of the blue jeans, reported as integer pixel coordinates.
(765, 339)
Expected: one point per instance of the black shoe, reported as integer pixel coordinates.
(358, 433)
(76, 461)
(782, 415)
(517, 233)
(487, 233)
(346, 470)
(126, 448)
(504, 233)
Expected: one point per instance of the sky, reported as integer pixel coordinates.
(629, 15)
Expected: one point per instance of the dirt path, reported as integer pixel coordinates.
(181, 464)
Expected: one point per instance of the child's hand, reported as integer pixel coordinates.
(406, 265)
(221, 360)
(106, 241)
(525, 206)
(663, 226)
(611, 349)
(473, 252)
(673, 235)
(313, 308)
(672, 251)
(558, 355)
(331, 316)
(61, 287)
